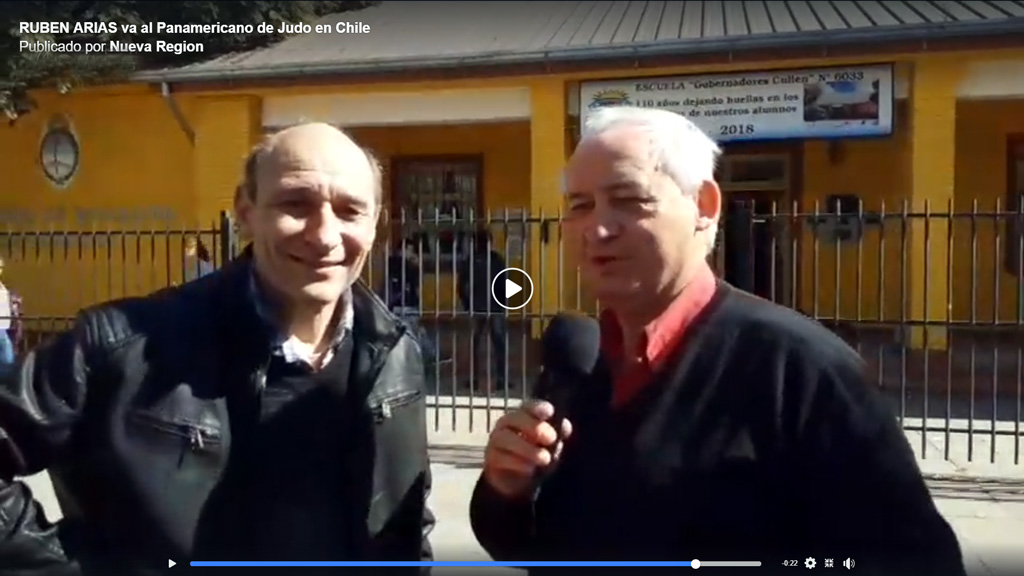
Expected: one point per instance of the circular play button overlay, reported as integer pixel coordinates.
(512, 288)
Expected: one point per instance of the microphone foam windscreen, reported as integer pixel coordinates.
(571, 344)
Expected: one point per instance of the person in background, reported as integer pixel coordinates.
(403, 293)
(10, 322)
(198, 262)
(717, 425)
(479, 264)
(403, 298)
(271, 410)
(17, 330)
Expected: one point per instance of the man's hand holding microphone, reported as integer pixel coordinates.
(524, 444)
(527, 442)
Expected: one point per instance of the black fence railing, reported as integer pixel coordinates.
(932, 299)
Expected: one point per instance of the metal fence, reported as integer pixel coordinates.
(932, 299)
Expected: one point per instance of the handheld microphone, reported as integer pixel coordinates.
(570, 347)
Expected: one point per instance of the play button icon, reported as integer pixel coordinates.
(512, 288)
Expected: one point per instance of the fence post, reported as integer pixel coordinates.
(228, 238)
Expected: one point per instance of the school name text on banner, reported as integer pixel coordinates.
(786, 104)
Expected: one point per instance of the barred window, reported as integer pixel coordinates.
(445, 194)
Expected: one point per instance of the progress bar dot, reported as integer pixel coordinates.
(695, 564)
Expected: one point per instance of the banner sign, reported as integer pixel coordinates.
(816, 103)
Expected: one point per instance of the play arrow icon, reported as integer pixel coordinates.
(515, 295)
(171, 563)
(511, 288)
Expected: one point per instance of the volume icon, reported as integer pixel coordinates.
(849, 563)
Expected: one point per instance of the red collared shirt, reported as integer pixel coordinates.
(659, 340)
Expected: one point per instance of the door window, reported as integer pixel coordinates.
(438, 198)
(754, 172)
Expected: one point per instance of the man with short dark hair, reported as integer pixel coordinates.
(477, 268)
(271, 410)
(403, 279)
(197, 262)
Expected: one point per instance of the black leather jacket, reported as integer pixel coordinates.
(132, 412)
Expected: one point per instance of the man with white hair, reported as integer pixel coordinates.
(717, 425)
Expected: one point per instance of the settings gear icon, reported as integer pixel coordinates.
(810, 563)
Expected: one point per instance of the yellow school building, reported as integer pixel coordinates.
(869, 111)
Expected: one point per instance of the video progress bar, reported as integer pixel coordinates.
(477, 564)
(725, 564)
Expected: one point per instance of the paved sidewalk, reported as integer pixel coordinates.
(987, 514)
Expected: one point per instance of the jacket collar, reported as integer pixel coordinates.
(373, 325)
(283, 345)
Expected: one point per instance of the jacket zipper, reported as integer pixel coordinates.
(261, 385)
(385, 409)
(261, 376)
(197, 437)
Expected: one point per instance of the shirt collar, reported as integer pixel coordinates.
(290, 348)
(665, 332)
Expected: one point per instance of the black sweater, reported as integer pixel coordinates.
(287, 493)
(762, 440)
